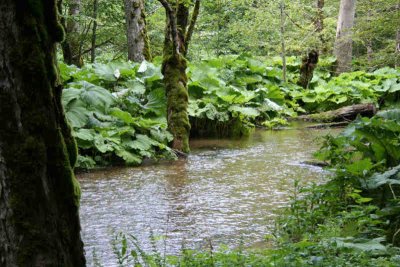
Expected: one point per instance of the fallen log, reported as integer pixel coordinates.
(328, 125)
(348, 113)
(316, 163)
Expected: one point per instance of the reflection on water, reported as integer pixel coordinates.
(226, 191)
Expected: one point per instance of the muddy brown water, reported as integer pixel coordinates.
(226, 192)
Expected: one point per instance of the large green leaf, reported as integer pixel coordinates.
(128, 157)
(122, 115)
(156, 102)
(245, 111)
(390, 177)
(77, 116)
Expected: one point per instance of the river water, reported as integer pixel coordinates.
(226, 192)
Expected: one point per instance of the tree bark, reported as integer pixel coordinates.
(319, 26)
(319, 22)
(342, 114)
(283, 46)
(174, 71)
(39, 195)
(71, 45)
(344, 42)
(94, 32)
(397, 51)
(136, 32)
(193, 20)
(307, 68)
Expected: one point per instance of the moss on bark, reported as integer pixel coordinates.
(40, 195)
(309, 63)
(175, 80)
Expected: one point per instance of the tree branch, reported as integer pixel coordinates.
(173, 27)
(97, 45)
(291, 20)
(193, 20)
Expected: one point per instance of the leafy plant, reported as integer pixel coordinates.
(114, 117)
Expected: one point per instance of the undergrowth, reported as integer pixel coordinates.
(351, 220)
(118, 110)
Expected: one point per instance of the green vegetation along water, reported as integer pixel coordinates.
(118, 110)
(227, 191)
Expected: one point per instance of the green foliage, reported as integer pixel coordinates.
(114, 117)
(358, 207)
(231, 92)
(229, 96)
(349, 88)
(336, 252)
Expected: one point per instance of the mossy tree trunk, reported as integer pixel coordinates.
(344, 41)
(39, 195)
(94, 31)
(282, 34)
(319, 26)
(177, 36)
(319, 21)
(136, 31)
(71, 46)
(307, 67)
(397, 50)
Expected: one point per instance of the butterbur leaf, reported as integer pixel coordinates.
(393, 114)
(96, 96)
(103, 145)
(85, 162)
(391, 177)
(70, 94)
(142, 143)
(84, 134)
(272, 105)
(363, 245)
(246, 111)
(361, 167)
(122, 115)
(77, 116)
(129, 157)
(156, 102)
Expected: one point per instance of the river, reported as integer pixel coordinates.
(226, 192)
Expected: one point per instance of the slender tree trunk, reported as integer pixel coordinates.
(319, 22)
(71, 45)
(39, 195)
(138, 42)
(344, 42)
(319, 26)
(283, 46)
(370, 51)
(193, 20)
(369, 43)
(397, 51)
(174, 71)
(94, 31)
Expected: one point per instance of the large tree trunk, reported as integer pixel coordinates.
(138, 42)
(71, 46)
(39, 195)
(344, 42)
